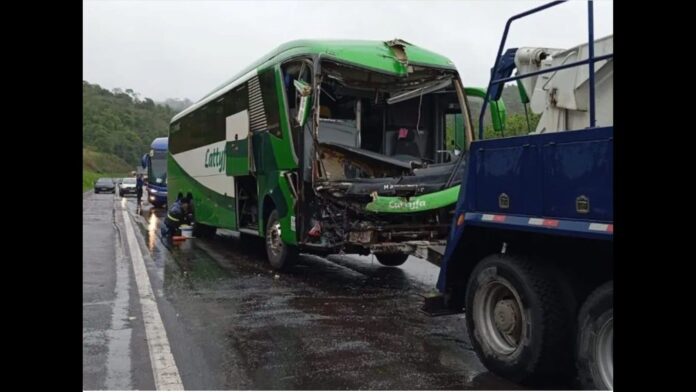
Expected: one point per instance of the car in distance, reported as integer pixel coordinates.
(127, 186)
(104, 185)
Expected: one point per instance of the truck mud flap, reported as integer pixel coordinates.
(435, 304)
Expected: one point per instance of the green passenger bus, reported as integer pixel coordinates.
(325, 147)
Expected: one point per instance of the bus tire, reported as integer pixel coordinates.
(596, 339)
(391, 259)
(203, 231)
(253, 243)
(281, 256)
(520, 319)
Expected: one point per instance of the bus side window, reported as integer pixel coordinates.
(295, 70)
(289, 89)
(290, 72)
(454, 132)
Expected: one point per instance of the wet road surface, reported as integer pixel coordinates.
(342, 322)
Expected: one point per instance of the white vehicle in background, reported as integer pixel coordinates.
(127, 187)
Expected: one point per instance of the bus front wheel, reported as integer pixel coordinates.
(281, 256)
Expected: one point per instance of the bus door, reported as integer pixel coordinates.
(237, 146)
(297, 75)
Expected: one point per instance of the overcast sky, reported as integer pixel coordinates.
(183, 49)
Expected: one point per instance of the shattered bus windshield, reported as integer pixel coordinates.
(379, 130)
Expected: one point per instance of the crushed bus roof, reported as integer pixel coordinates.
(376, 55)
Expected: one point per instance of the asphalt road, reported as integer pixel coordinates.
(211, 314)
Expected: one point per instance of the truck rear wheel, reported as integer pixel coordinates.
(391, 259)
(596, 339)
(280, 255)
(519, 319)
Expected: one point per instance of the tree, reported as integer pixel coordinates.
(119, 123)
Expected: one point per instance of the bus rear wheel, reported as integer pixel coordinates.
(391, 259)
(281, 256)
(203, 231)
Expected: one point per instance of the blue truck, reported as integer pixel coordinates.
(155, 162)
(529, 256)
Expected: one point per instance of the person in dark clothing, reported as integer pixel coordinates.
(179, 213)
(139, 188)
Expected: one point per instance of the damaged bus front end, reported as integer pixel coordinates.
(379, 148)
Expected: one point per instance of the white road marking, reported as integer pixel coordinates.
(118, 360)
(164, 368)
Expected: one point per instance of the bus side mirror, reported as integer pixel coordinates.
(498, 115)
(305, 92)
(143, 161)
(497, 109)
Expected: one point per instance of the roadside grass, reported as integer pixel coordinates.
(96, 165)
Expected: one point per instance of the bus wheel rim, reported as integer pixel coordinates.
(275, 244)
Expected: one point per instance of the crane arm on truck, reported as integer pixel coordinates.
(562, 96)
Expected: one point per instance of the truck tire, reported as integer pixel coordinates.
(391, 259)
(280, 255)
(520, 319)
(596, 339)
